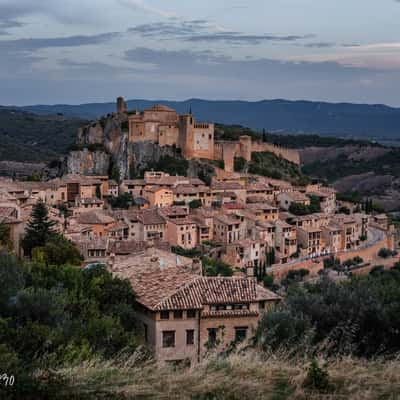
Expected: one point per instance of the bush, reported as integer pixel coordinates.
(192, 253)
(124, 201)
(216, 267)
(317, 378)
(195, 204)
(295, 275)
(239, 164)
(386, 253)
(360, 317)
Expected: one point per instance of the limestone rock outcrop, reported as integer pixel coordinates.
(88, 162)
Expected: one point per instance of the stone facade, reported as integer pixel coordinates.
(161, 124)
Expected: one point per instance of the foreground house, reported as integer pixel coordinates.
(185, 315)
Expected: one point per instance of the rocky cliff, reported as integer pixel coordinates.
(103, 148)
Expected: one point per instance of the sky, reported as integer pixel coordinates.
(81, 51)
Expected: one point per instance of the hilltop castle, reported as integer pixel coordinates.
(163, 125)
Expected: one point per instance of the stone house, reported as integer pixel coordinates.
(285, 199)
(310, 241)
(182, 232)
(185, 316)
(159, 196)
(145, 225)
(99, 221)
(227, 228)
(285, 240)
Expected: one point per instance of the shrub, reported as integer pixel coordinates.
(216, 267)
(195, 204)
(317, 378)
(386, 253)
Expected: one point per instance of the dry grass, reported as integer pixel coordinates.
(247, 376)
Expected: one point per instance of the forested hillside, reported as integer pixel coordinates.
(28, 137)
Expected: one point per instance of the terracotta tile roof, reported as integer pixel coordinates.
(189, 189)
(227, 186)
(260, 206)
(264, 294)
(255, 199)
(196, 181)
(155, 189)
(148, 216)
(151, 217)
(297, 196)
(120, 247)
(94, 217)
(171, 289)
(182, 221)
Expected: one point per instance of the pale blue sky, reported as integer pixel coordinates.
(94, 50)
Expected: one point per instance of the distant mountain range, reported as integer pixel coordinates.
(376, 122)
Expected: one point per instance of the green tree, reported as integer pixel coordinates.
(5, 237)
(195, 204)
(11, 278)
(60, 251)
(216, 267)
(98, 192)
(39, 229)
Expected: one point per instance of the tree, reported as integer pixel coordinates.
(11, 279)
(60, 251)
(39, 229)
(264, 135)
(216, 267)
(344, 210)
(98, 192)
(195, 204)
(5, 238)
(124, 200)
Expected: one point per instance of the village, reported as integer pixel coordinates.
(205, 260)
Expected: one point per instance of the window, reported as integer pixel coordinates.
(212, 335)
(164, 315)
(146, 333)
(190, 337)
(191, 313)
(240, 333)
(168, 338)
(178, 314)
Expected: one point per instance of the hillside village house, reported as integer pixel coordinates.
(182, 232)
(285, 240)
(99, 222)
(158, 196)
(145, 225)
(286, 199)
(326, 197)
(185, 315)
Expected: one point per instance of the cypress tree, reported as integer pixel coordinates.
(39, 229)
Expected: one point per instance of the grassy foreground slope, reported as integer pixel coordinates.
(241, 377)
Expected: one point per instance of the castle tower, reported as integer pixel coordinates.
(245, 147)
(121, 105)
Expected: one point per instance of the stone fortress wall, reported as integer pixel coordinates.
(228, 150)
(162, 125)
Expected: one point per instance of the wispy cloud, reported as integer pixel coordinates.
(20, 45)
(5, 25)
(240, 38)
(141, 5)
(206, 31)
